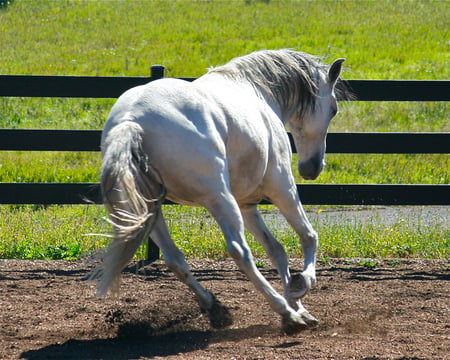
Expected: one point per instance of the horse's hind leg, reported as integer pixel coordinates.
(175, 261)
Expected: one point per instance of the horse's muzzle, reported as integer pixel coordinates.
(311, 169)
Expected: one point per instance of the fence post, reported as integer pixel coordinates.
(152, 250)
(157, 72)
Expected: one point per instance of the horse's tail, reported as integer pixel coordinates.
(132, 193)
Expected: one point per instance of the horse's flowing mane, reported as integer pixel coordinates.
(288, 77)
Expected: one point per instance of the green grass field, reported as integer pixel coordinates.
(379, 39)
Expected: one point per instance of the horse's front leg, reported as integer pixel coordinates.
(300, 284)
(295, 286)
(276, 252)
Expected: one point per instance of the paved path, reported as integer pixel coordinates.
(387, 215)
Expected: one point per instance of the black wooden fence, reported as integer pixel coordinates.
(331, 194)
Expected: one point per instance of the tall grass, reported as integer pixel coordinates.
(69, 232)
(54, 232)
(380, 39)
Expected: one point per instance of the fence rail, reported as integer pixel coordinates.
(337, 143)
(325, 194)
(112, 87)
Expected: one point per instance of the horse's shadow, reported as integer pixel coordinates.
(136, 344)
(117, 349)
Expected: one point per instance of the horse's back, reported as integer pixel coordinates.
(160, 100)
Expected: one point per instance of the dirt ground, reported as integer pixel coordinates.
(397, 310)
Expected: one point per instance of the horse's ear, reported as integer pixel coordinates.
(335, 71)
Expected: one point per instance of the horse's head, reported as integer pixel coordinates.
(310, 130)
(301, 89)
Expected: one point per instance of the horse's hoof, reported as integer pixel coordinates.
(298, 286)
(293, 323)
(218, 315)
(310, 320)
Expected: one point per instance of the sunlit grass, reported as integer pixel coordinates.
(68, 232)
(19, 166)
(402, 39)
(385, 116)
(373, 239)
(54, 232)
(384, 169)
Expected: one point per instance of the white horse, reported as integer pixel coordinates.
(220, 142)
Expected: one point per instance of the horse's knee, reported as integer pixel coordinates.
(309, 241)
(311, 237)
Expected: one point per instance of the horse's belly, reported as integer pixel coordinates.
(182, 201)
